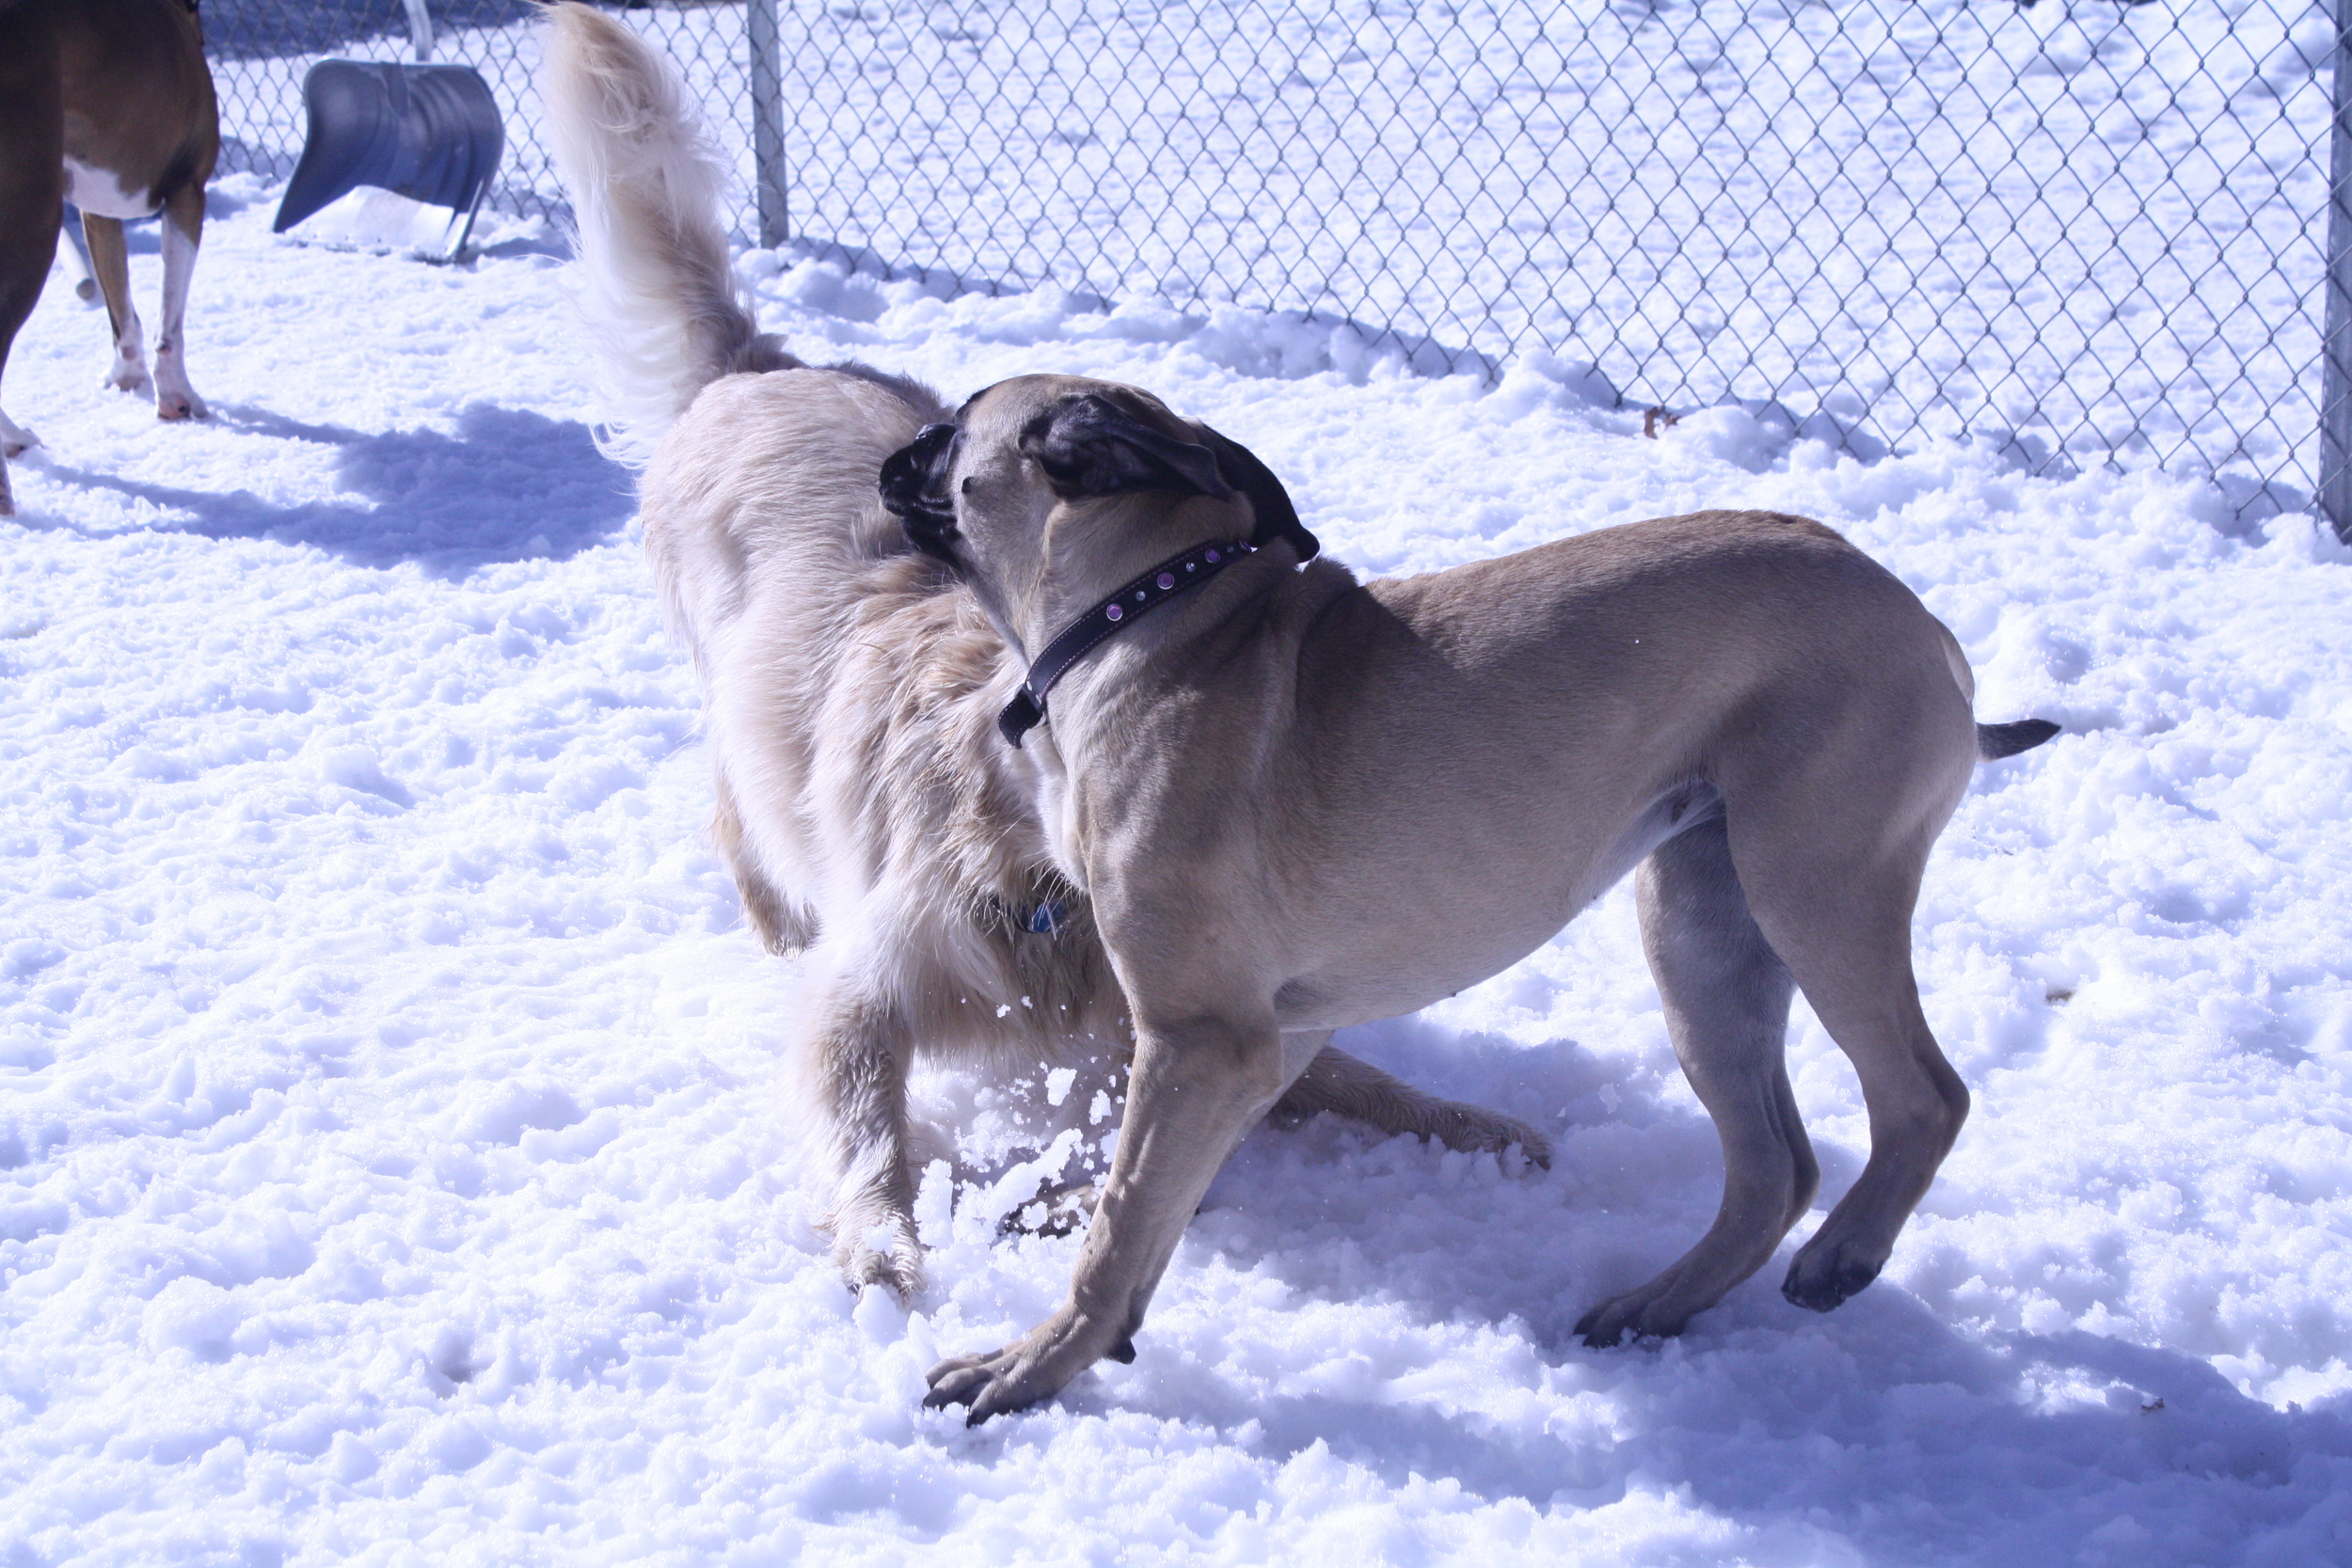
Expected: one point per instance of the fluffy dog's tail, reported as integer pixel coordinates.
(664, 312)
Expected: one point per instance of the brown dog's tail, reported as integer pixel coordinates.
(1996, 741)
(664, 312)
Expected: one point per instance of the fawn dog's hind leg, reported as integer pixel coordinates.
(1832, 858)
(1726, 997)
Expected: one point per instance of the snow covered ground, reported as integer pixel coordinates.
(395, 1161)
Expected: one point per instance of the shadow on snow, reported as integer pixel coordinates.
(1879, 1429)
(507, 485)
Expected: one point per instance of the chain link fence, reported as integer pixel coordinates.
(2082, 230)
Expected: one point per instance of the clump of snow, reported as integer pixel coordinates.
(394, 1157)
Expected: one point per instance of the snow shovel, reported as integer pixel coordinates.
(430, 133)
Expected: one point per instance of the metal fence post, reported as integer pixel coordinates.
(2335, 343)
(420, 28)
(759, 31)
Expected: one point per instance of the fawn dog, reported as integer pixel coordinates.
(1296, 801)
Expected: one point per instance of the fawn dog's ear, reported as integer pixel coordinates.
(1097, 444)
(1277, 517)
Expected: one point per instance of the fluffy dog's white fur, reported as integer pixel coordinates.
(668, 314)
(870, 810)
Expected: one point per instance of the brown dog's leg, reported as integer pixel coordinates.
(1341, 1084)
(1727, 996)
(110, 258)
(182, 231)
(32, 203)
(23, 267)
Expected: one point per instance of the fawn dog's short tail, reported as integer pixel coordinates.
(664, 312)
(1996, 741)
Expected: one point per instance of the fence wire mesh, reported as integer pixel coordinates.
(2077, 230)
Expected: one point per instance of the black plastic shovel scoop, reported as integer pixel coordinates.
(430, 133)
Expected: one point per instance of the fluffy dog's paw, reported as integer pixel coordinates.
(1057, 1213)
(131, 378)
(181, 406)
(902, 1275)
(1029, 1371)
(16, 443)
(879, 1251)
(1823, 1277)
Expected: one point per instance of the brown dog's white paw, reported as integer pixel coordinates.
(181, 406)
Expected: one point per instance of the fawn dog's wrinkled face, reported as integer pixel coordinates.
(1026, 457)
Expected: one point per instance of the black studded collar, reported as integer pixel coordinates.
(1081, 636)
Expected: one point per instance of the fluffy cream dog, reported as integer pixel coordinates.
(866, 802)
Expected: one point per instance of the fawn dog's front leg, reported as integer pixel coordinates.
(1199, 1084)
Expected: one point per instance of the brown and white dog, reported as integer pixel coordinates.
(871, 814)
(109, 104)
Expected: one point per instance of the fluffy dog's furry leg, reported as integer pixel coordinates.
(783, 925)
(860, 1049)
(1341, 1084)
